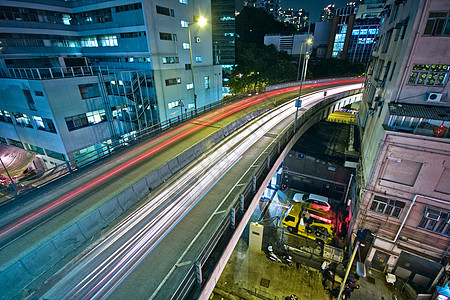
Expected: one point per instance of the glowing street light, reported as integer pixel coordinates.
(201, 21)
(298, 103)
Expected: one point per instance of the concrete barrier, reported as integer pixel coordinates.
(110, 210)
(164, 172)
(173, 165)
(141, 189)
(38, 261)
(13, 280)
(69, 240)
(126, 199)
(91, 224)
(153, 180)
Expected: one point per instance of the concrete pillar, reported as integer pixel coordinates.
(256, 236)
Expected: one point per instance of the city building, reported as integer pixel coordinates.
(271, 6)
(322, 32)
(328, 13)
(292, 44)
(299, 19)
(223, 32)
(77, 74)
(404, 213)
(354, 31)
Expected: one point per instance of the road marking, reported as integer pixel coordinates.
(182, 264)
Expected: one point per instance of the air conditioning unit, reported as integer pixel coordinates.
(197, 39)
(434, 97)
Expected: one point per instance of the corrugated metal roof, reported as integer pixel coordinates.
(420, 111)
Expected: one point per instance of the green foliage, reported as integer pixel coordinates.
(257, 64)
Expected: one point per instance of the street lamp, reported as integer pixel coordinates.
(298, 103)
(201, 22)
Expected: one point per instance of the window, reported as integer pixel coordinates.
(184, 23)
(170, 60)
(5, 116)
(206, 82)
(165, 11)
(189, 86)
(44, 124)
(435, 220)
(55, 154)
(388, 66)
(89, 91)
(89, 42)
(387, 41)
(108, 41)
(392, 72)
(186, 46)
(173, 81)
(95, 117)
(128, 7)
(167, 36)
(76, 122)
(387, 206)
(38, 93)
(428, 75)
(173, 104)
(30, 100)
(22, 120)
(183, 1)
(198, 59)
(438, 23)
(187, 66)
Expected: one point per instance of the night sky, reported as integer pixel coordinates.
(314, 7)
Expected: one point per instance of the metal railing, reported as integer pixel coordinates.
(190, 286)
(56, 72)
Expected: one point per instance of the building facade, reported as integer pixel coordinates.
(78, 74)
(404, 120)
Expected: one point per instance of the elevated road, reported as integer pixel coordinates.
(124, 248)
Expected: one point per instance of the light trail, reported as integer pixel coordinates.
(123, 247)
(183, 132)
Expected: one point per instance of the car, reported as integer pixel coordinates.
(315, 201)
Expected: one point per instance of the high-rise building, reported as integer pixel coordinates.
(354, 31)
(78, 74)
(223, 31)
(271, 6)
(327, 13)
(299, 19)
(404, 214)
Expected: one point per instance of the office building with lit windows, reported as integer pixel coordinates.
(404, 214)
(77, 74)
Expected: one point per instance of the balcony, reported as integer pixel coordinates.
(424, 120)
(56, 72)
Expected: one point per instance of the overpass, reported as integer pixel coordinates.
(259, 163)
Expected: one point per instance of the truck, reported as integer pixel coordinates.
(303, 219)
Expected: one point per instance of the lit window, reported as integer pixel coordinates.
(198, 59)
(186, 46)
(109, 41)
(207, 82)
(183, 1)
(173, 104)
(429, 75)
(189, 86)
(184, 23)
(66, 19)
(89, 42)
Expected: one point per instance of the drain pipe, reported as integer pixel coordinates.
(407, 214)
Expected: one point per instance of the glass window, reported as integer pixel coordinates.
(173, 81)
(184, 23)
(207, 82)
(186, 46)
(22, 120)
(198, 59)
(438, 23)
(428, 75)
(189, 86)
(387, 206)
(183, 1)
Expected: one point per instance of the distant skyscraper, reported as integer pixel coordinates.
(299, 19)
(223, 31)
(271, 6)
(328, 13)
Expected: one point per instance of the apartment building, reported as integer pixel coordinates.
(77, 74)
(404, 119)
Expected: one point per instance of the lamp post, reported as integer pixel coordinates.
(201, 22)
(298, 102)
